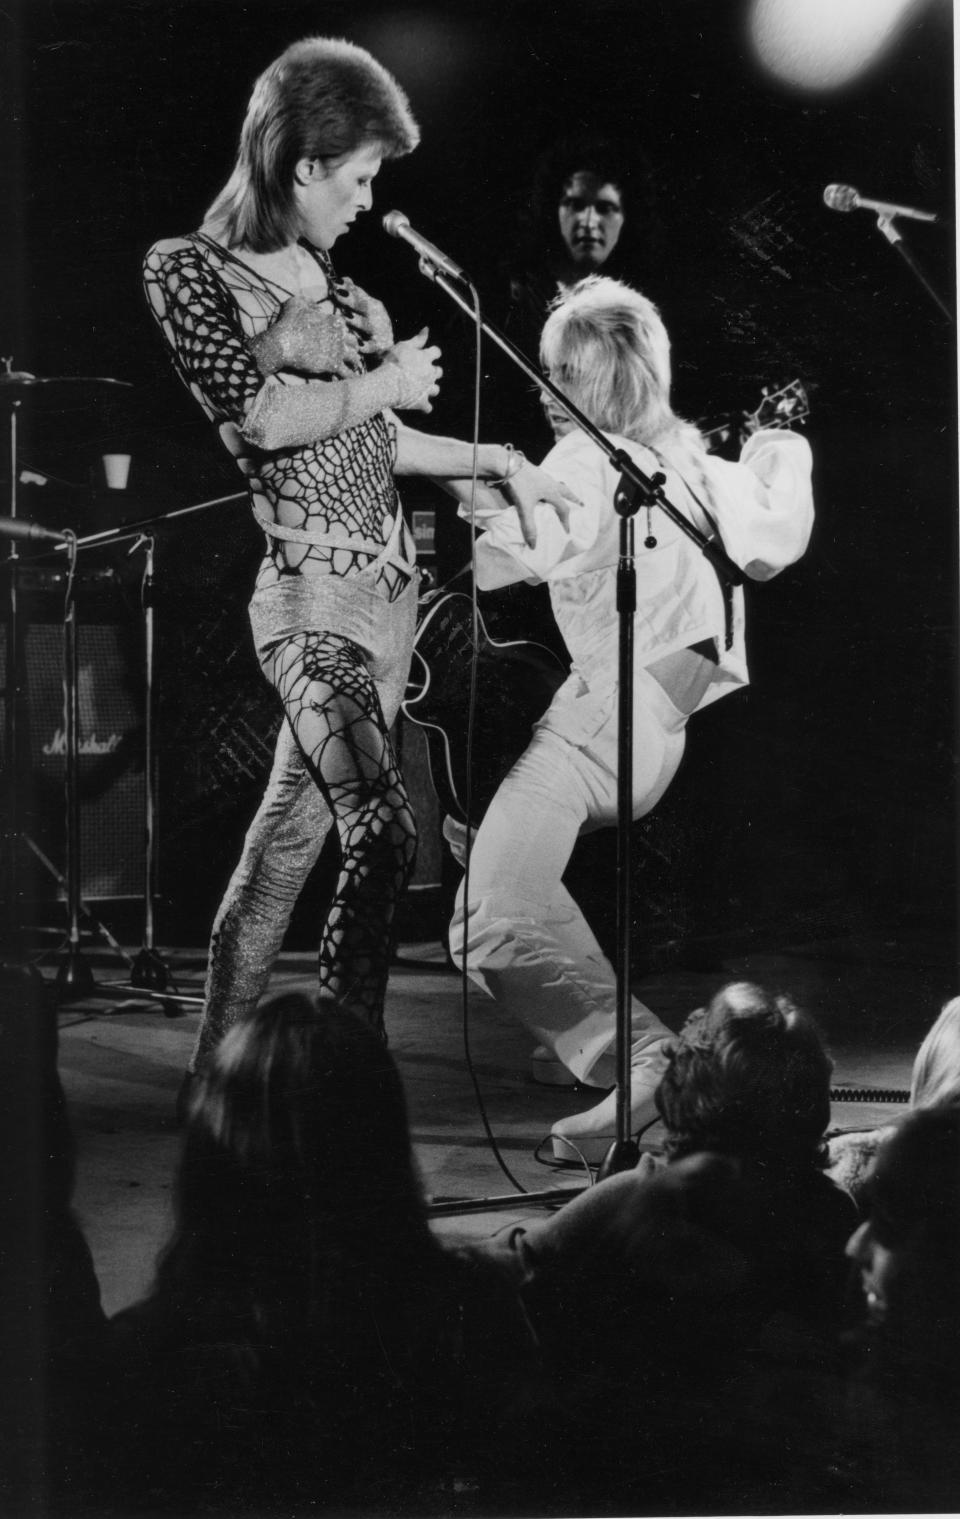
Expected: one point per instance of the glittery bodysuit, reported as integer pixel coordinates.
(333, 616)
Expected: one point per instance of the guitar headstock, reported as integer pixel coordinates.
(786, 407)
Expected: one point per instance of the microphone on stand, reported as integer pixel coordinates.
(398, 225)
(15, 527)
(846, 198)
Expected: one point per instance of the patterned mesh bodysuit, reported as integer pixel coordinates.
(336, 564)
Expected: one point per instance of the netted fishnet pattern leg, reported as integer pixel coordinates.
(334, 709)
(282, 846)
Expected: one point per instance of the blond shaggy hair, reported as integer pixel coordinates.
(605, 346)
(323, 98)
(936, 1068)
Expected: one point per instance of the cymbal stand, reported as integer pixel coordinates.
(74, 976)
(15, 964)
(149, 970)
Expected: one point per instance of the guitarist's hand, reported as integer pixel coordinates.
(530, 485)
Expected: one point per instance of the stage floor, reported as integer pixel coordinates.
(122, 1055)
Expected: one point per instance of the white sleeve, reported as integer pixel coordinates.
(764, 504)
(502, 555)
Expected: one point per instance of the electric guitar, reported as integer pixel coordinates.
(785, 408)
(516, 678)
(516, 681)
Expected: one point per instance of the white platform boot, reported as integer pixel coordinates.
(588, 1136)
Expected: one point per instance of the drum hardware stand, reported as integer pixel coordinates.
(635, 490)
(74, 974)
(82, 907)
(15, 964)
(74, 977)
(148, 970)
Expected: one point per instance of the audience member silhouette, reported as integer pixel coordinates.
(935, 1079)
(904, 1390)
(52, 1321)
(687, 1312)
(307, 1340)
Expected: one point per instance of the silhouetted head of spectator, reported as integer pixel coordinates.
(297, 1168)
(747, 1076)
(592, 208)
(936, 1067)
(908, 1247)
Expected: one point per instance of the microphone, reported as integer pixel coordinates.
(846, 198)
(15, 527)
(398, 225)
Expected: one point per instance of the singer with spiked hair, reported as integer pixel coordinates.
(300, 372)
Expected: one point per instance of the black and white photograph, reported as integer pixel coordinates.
(479, 583)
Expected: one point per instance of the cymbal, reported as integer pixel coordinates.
(19, 379)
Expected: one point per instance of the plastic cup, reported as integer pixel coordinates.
(116, 470)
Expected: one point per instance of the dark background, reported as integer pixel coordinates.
(823, 799)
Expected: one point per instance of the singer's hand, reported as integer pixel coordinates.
(530, 485)
(421, 371)
(368, 320)
(310, 336)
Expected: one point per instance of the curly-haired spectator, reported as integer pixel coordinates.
(710, 1292)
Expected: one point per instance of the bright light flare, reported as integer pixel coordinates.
(823, 44)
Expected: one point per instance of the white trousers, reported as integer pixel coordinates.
(528, 944)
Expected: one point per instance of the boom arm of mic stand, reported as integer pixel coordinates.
(649, 489)
(136, 530)
(888, 227)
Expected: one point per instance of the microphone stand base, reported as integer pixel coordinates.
(622, 1155)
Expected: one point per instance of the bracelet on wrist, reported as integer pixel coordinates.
(515, 462)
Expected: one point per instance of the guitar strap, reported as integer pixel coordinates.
(726, 584)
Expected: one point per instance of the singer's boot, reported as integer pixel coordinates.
(588, 1136)
(548, 1070)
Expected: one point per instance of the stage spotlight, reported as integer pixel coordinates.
(823, 44)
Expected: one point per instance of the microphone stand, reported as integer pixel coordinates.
(634, 490)
(887, 226)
